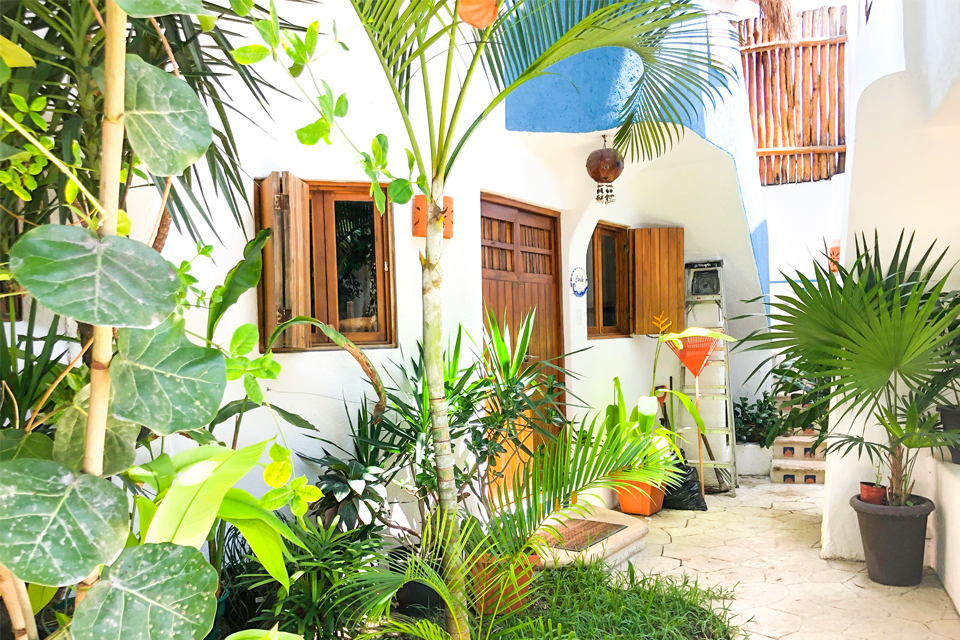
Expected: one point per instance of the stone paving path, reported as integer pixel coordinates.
(765, 544)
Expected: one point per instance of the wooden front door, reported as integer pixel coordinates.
(521, 273)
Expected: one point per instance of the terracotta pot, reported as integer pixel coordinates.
(499, 593)
(871, 493)
(893, 540)
(640, 498)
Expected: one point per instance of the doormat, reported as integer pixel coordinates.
(576, 534)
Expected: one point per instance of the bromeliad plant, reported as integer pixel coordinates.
(884, 339)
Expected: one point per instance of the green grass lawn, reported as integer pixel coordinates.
(589, 603)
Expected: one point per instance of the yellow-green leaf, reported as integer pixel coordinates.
(277, 473)
(14, 55)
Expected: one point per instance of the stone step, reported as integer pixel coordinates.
(798, 447)
(615, 550)
(797, 471)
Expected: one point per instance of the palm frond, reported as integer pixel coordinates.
(671, 39)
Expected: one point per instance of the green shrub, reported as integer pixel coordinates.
(755, 422)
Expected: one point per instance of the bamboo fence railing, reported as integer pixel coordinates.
(796, 94)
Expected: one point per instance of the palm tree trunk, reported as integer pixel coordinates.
(439, 425)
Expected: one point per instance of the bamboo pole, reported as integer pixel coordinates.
(806, 98)
(17, 601)
(115, 33)
(832, 87)
(841, 107)
(773, 87)
(824, 94)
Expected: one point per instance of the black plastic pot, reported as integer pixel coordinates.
(414, 599)
(950, 417)
(893, 539)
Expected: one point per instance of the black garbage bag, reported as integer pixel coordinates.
(685, 496)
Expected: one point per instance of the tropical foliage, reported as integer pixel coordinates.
(883, 338)
(519, 40)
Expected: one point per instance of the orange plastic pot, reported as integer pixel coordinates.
(871, 493)
(497, 593)
(640, 498)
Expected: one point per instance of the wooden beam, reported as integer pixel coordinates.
(786, 151)
(802, 42)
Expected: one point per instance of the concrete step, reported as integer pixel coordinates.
(799, 446)
(797, 471)
(615, 550)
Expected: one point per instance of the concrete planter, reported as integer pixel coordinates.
(753, 460)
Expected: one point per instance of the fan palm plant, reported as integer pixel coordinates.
(884, 340)
(523, 40)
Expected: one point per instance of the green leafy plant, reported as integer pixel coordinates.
(884, 338)
(521, 43)
(322, 562)
(756, 421)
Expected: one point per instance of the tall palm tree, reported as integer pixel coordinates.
(517, 41)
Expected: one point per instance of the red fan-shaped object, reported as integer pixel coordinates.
(695, 354)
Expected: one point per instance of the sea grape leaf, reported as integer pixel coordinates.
(190, 506)
(119, 446)
(57, 526)
(111, 281)
(156, 8)
(17, 443)
(165, 121)
(152, 592)
(244, 276)
(165, 382)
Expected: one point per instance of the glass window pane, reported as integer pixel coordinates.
(591, 307)
(356, 266)
(608, 263)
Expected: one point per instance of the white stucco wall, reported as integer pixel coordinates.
(903, 176)
(694, 186)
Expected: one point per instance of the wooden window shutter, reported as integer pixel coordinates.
(658, 272)
(283, 205)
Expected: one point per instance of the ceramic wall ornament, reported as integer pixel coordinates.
(604, 166)
(579, 282)
(419, 215)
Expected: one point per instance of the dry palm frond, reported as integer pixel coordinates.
(781, 15)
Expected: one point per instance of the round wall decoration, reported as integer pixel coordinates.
(579, 282)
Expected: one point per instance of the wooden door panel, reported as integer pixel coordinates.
(521, 271)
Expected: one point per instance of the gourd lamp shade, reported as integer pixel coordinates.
(604, 166)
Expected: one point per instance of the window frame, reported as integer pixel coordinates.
(622, 329)
(323, 290)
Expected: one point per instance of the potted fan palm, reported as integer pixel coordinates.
(888, 339)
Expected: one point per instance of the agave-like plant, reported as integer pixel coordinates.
(885, 342)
